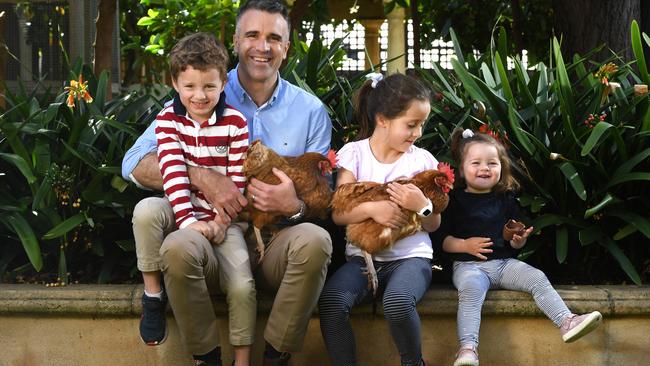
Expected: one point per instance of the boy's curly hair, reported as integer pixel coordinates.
(200, 50)
(459, 145)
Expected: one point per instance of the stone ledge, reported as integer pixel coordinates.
(124, 300)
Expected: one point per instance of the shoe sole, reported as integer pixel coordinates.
(157, 343)
(592, 322)
(465, 363)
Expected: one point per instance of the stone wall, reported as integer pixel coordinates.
(98, 325)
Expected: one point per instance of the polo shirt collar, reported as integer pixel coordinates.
(180, 109)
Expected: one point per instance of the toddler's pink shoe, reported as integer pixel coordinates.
(575, 326)
(467, 356)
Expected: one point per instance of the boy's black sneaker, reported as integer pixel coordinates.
(153, 323)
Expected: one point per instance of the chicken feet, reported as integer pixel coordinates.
(373, 281)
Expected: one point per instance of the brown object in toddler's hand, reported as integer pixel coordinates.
(511, 228)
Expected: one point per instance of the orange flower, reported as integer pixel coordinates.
(76, 91)
(605, 72)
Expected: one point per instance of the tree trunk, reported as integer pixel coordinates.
(586, 24)
(104, 39)
(297, 13)
(517, 23)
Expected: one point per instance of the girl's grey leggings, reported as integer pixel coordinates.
(474, 278)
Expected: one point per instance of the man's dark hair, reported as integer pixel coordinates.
(269, 6)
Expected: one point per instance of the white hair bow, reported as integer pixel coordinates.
(467, 133)
(375, 77)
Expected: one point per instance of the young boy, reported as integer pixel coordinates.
(198, 129)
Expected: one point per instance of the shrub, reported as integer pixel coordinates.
(62, 199)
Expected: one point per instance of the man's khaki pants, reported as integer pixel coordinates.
(294, 267)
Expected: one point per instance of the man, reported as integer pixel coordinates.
(291, 122)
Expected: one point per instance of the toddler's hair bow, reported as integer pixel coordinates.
(375, 77)
(467, 133)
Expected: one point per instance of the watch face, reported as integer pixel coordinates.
(426, 212)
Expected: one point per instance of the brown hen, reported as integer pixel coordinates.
(371, 236)
(308, 173)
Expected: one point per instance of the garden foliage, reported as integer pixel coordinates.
(580, 143)
(64, 208)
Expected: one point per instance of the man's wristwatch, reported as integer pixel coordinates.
(426, 210)
(300, 214)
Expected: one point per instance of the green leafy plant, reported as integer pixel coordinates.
(580, 137)
(61, 195)
(169, 21)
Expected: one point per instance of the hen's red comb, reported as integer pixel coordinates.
(446, 168)
(331, 156)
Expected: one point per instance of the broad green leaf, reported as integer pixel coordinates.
(623, 261)
(100, 94)
(515, 121)
(625, 231)
(51, 112)
(65, 226)
(573, 177)
(637, 48)
(565, 90)
(599, 129)
(452, 93)
(628, 177)
(119, 183)
(638, 221)
(145, 21)
(487, 76)
(469, 83)
(152, 13)
(41, 193)
(15, 222)
(590, 235)
(561, 244)
(505, 83)
(632, 162)
(502, 44)
(457, 49)
(546, 220)
(79, 156)
(21, 164)
(606, 201)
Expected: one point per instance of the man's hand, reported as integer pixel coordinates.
(280, 198)
(219, 190)
(477, 246)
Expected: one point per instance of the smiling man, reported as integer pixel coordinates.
(291, 122)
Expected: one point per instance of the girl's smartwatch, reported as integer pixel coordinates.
(426, 210)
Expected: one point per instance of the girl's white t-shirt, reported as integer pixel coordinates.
(357, 157)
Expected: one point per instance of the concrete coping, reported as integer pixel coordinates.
(124, 300)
